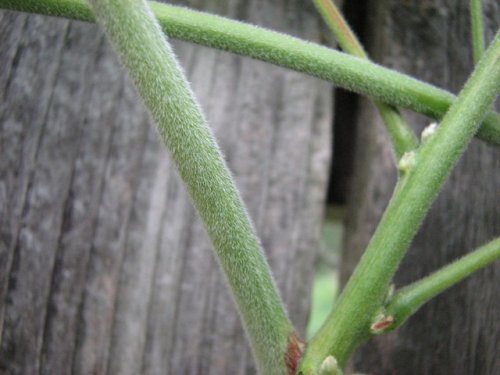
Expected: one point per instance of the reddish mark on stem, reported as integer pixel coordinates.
(382, 324)
(295, 349)
(354, 47)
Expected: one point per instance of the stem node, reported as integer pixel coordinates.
(382, 324)
(429, 131)
(407, 161)
(330, 366)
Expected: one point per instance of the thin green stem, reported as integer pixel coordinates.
(143, 49)
(351, 73)
(402, 137)
(477, 29)
(340, 28)
(425, 172)
(409, 299)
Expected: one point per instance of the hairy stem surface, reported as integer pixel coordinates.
(146, 54)
(351, 73)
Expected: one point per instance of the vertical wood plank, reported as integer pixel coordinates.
(109, 270)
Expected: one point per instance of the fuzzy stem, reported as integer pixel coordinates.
(410, 298)
(477, 29)
(349, 323)
(351, 73)
(402, 137)
(146, 54)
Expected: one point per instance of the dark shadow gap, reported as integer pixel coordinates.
(345, 112)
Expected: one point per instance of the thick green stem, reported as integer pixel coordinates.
(409, 299)
(402, 137)
(477, 29)
(145, 52)
(351, 73)
(425, 171)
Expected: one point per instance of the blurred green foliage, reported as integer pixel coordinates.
(326, 283)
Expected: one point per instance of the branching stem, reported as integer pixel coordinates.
(349, 323)
(136, 35)
(409, 299)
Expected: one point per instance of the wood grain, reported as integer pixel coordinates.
(105, 267)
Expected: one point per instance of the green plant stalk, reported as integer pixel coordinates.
(349, 323)
(402, 137)
(409, 299)
(340, 28)
(146, 54)
(477, 29)
(346, 71)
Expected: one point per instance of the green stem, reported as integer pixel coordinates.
(351, 73)
(132, 29)
(477, 29)
(402, 137)
(340, 28)
(410, 298)
(349, 323)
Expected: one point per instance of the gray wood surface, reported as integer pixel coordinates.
(105, 267)
(458, 332)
